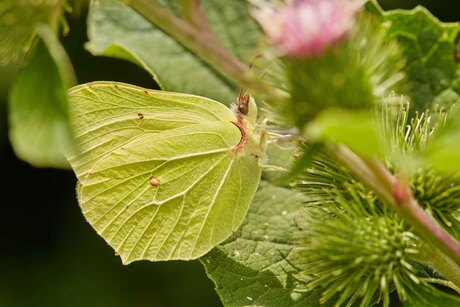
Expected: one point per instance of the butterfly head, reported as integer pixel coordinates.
(246, 107)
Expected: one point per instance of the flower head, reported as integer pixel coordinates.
(305, 28)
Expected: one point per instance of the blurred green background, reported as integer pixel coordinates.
(49, 255)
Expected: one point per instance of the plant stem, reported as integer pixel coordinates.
(358, 168)
(198, 37)
(404, 203)
(398, 194)
(193, 13)
(201, 43)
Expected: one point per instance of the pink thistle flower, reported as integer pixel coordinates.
(305, 28)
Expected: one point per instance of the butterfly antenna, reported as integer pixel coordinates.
(265, 71)
(253, 60)
(243, 99)
(241, 91)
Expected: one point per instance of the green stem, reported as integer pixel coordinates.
(398, 194)
(358, 168)
(200, 40)
(404, 203)
(193, 13)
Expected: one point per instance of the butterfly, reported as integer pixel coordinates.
(162, 175)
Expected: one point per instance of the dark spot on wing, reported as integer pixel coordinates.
(140, 115)
(154, 181)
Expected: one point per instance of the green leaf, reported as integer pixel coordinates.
(38, 108)
(280, 155)
(428, 44)
(443, 152)
(162, 175)
(6, 77)
(427, 296)
(257, 265)
(18, 19)
(303, 161)
(117, 30)
(356, 129)
(234, 26)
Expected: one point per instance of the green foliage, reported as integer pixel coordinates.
(234, 27)
(162, 175)
(38, 111)
(336, 201)
(357, 129)
(38, 115)
(433, 182)
(406, 134)
(443, 152)
(117, 30)
(167, 176)
(256, 266)
(439, 194)
(344, 246)
(428, 45)
(18, 19)
(355, 252)
(6, 76)
(373, 250)
(427, 296)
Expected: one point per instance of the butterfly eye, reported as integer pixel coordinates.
(243, 109)
(243, 104)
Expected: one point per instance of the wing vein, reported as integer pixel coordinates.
(172, 229)
(219, 188)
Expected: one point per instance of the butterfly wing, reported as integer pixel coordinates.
(159, 175)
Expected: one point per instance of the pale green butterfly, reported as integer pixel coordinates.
(162, 175)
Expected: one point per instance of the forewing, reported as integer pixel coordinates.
(108, 115)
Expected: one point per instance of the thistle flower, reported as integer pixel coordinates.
(436, 192)
(330, 57)
(439, 194)
(356, 252)
(306, 28)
